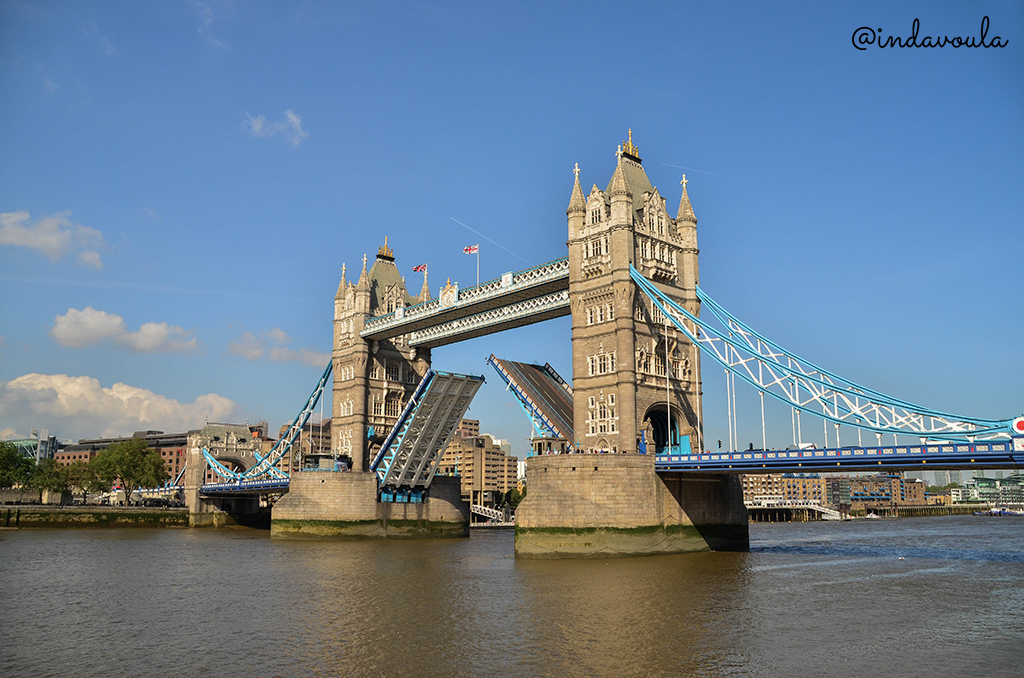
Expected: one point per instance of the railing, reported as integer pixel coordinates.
(943, 455)
(508, 283)
(496, 316)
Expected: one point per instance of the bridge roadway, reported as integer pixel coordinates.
(941, 456)
(944, 456)
(516, 299)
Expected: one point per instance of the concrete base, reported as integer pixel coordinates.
(225, 511)
(328, 505)
(607, 505)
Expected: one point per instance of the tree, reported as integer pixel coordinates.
(131, 465)
(15, 470)
(50, 476)
(515, 496)
(82, 476)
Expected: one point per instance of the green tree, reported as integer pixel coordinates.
(131, 465)
(82, 476)
(50, 476)
(15, 470)
(514, 497)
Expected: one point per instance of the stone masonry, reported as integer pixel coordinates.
(344, 505)
(623, 351)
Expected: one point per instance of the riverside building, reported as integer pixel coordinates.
(486, 470)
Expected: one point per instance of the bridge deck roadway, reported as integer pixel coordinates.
(939, 456)
(510, 290)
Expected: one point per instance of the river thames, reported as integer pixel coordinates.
(911, 597)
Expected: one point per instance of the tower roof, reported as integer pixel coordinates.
(632, 172)
(577, 202)
(343, 284)
(685, 208)
(384, 276)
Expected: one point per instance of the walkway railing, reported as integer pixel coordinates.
(512, 287)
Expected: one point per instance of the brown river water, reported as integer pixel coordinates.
(912, 597)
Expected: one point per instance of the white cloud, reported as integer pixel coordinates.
(206, 19)
(291, 126)
(283, 354)
(90, 258)
(49, 85)
(252, 347)
(159, 338)
(8, 433)
(82, 407)
(89, 326)
(248, 346)
(54, 236)
(83, 328)
(92, 32)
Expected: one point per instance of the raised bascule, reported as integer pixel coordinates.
(618, 464)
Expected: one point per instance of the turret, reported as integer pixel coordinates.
(686, 227)
(577, 210)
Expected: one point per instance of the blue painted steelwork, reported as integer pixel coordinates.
(417, 442)
(543, 425)
(246, 486)
(403, 418)
(771, 369)
(266, 465)
(401, 495)
(181, 474)
(945, 455)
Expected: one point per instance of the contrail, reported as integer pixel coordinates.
(142, 287)
(488, 239)
(696, 170)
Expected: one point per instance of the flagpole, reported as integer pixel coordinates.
(478, 263)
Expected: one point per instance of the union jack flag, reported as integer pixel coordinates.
(471, 249)
(419, 269)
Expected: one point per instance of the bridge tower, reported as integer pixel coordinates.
(372, 379)
(636, 388)
(636, 378)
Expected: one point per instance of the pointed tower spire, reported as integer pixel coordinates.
(577, 203)
(619, 184)
(425, 292)
(342, 284)
(363, 277)
(685, 209)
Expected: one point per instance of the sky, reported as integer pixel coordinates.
(181, 183)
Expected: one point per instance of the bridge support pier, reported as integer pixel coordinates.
(343, 505)
(610, 505)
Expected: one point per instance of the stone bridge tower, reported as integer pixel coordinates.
(627, 364)
(372, 379)
(627, 396)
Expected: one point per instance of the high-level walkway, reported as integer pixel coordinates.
(516, 299)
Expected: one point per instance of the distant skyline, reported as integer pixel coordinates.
(181, 183)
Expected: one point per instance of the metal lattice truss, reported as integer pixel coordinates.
(799, 383)
(510, 288)
(502, 318)
(544, 426)
(267, 466)
(413, 449)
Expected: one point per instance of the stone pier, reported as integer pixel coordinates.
(344, 505)
(610, 505)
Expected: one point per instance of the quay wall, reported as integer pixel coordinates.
(328, 505)
(608, 505)
(84, 517)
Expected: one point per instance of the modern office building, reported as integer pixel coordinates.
(486, 470)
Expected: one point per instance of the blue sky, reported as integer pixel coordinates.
(181, 182)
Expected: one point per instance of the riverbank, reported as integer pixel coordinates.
(17, 517)
(929, 511)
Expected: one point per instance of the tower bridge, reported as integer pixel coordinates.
(631, 285)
